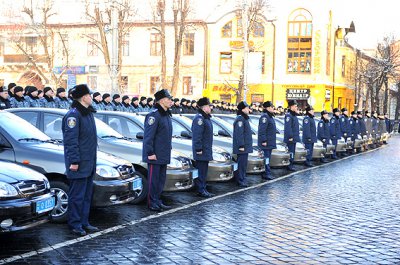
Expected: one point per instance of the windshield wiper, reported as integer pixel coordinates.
(111, 136)
(32, 139)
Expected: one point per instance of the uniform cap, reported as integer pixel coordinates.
(309, 108)
(3, 89)
(268, 104)
(18, 89)
(60, 90)
(336, 110)
(106, 95)
(176, 100)
(203, 102)
(359, 113)
(134, 99)
(11, 85)
(354, 112)
(31, 89)
(324, 112)
(292, 103)
(149, 99)
(115, 96)
(163, 93)
(344, 109)
(47, 89)
(95, 94)
(78, 91)
(125, 97)
(242, 105)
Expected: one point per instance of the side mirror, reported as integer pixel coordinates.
(223, 133)
(140, 135)
(186, 134)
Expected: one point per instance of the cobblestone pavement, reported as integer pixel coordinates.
(342, 213)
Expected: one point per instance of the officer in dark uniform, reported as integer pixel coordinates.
(309, 134)
(48, 98)
(324, 131)
(387, 123)
(242, 141)
(362, 125)
(354, 126)
(344, 124)
(202, 141)
(291, 131)
(157, 145)
(80, 147)
(267, 136)
(176, 108)
(96, 102)
(4, 98)
(334, 130)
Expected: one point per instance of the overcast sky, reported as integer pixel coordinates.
(373, 19)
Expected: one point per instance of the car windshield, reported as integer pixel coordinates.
(105, 131)
(19, 129)
(231, 120)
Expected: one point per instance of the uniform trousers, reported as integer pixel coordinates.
(157, 175)
(79, 201)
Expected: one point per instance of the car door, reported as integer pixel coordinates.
(6, 149)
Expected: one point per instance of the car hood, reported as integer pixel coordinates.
(110, 160)
(12, 173)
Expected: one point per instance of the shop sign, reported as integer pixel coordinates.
(298, 94)
(72, 70)
(238, 44)
(327, 94)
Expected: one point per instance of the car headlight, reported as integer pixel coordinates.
(219, 157)
(175, 164)
(300, 145)
(282, 148)
(107, 171)
(6, 190)
(257, 152)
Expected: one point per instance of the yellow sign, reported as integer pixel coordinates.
(238, 44)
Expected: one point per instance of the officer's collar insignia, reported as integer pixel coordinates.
(305, 121)
(71, 122)
(151, 120)
(320, 125)
(287, 119)
(240, 123)
(351, 122)
(200, 122)
(264, 120)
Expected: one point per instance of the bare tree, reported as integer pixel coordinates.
(42, 57)
(102, 18)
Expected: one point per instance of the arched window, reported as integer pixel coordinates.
(258, 29)
(226, 31)
(299, 42)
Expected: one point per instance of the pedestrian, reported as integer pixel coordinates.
(48, 98)
(80, 148)
(242, 142)
(157, 145)
(18, 100)
(202, 141)
(291, 133)
(324, 132)
(4, 98)
(309, 134)
(96, 101)
(267, 136)
(61, 99)
(334, 130)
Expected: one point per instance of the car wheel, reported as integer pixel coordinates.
(59, 213)
(143, 193)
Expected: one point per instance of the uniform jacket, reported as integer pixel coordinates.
(382, 126)
(291, 128)
(4, 103)
(242, 135)
(48, 102)
(97, 105)
(267, 131)
(309, 130)
(143, 108)
(107, 106)
(19, 102)
(368, 124)
(324, 131)
(334, 128)
(157, 136)
(62, 103)
(126, 108)
(354, 127)
(202, 140)
(345, 125)
(362, 126)
(374, 125)
(116, 106)
(387, 122)
(176, 109)
(80, 141)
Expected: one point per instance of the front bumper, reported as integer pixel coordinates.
(300, 155)
(318, 152)
(22, 212)
(358, 143)
(329, 149)
(279, 159)
(221, 171)
(112, 192)
(179, 179)
(341, 147)
(255, 165)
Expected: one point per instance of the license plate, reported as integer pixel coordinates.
(137, 184)
(45, 205)
(235, 167)
(195, 174)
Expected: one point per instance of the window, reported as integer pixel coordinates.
(177, 128)
(92, 49)
(343, 66)
(187, 85)
(64, 45)
(155, 44)
(217, 127)
(125, 45)
(226, 31)
(225, 64)
(258, 29)
(339, 103)
(30, 44)
(239, 27)
(154, 80)
(299, 42)
(133, 129)
(52, 125)
(124, 83)
(92, 82)
(188, 44)
(30, 117)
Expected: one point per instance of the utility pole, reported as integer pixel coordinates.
(114, 48)
(245, 25)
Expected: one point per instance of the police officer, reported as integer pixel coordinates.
(116, 102)
(176, 108)
(80, 147)
(31, 97)
(135, 104)
(126, 106)
(242, 141)
(344, 124)
(202, 141)
(309, 134)
(388, 123)
(150, 103)
(362, 125)
(143, 105)
(157, 145)
(374, 123)
(61, 99)
(324, 131)
(48, 98)
(291, 134)
(96, 102)
(18, 101)
(107, 102)
(267, 136)
(334, 130)
(4, 98)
